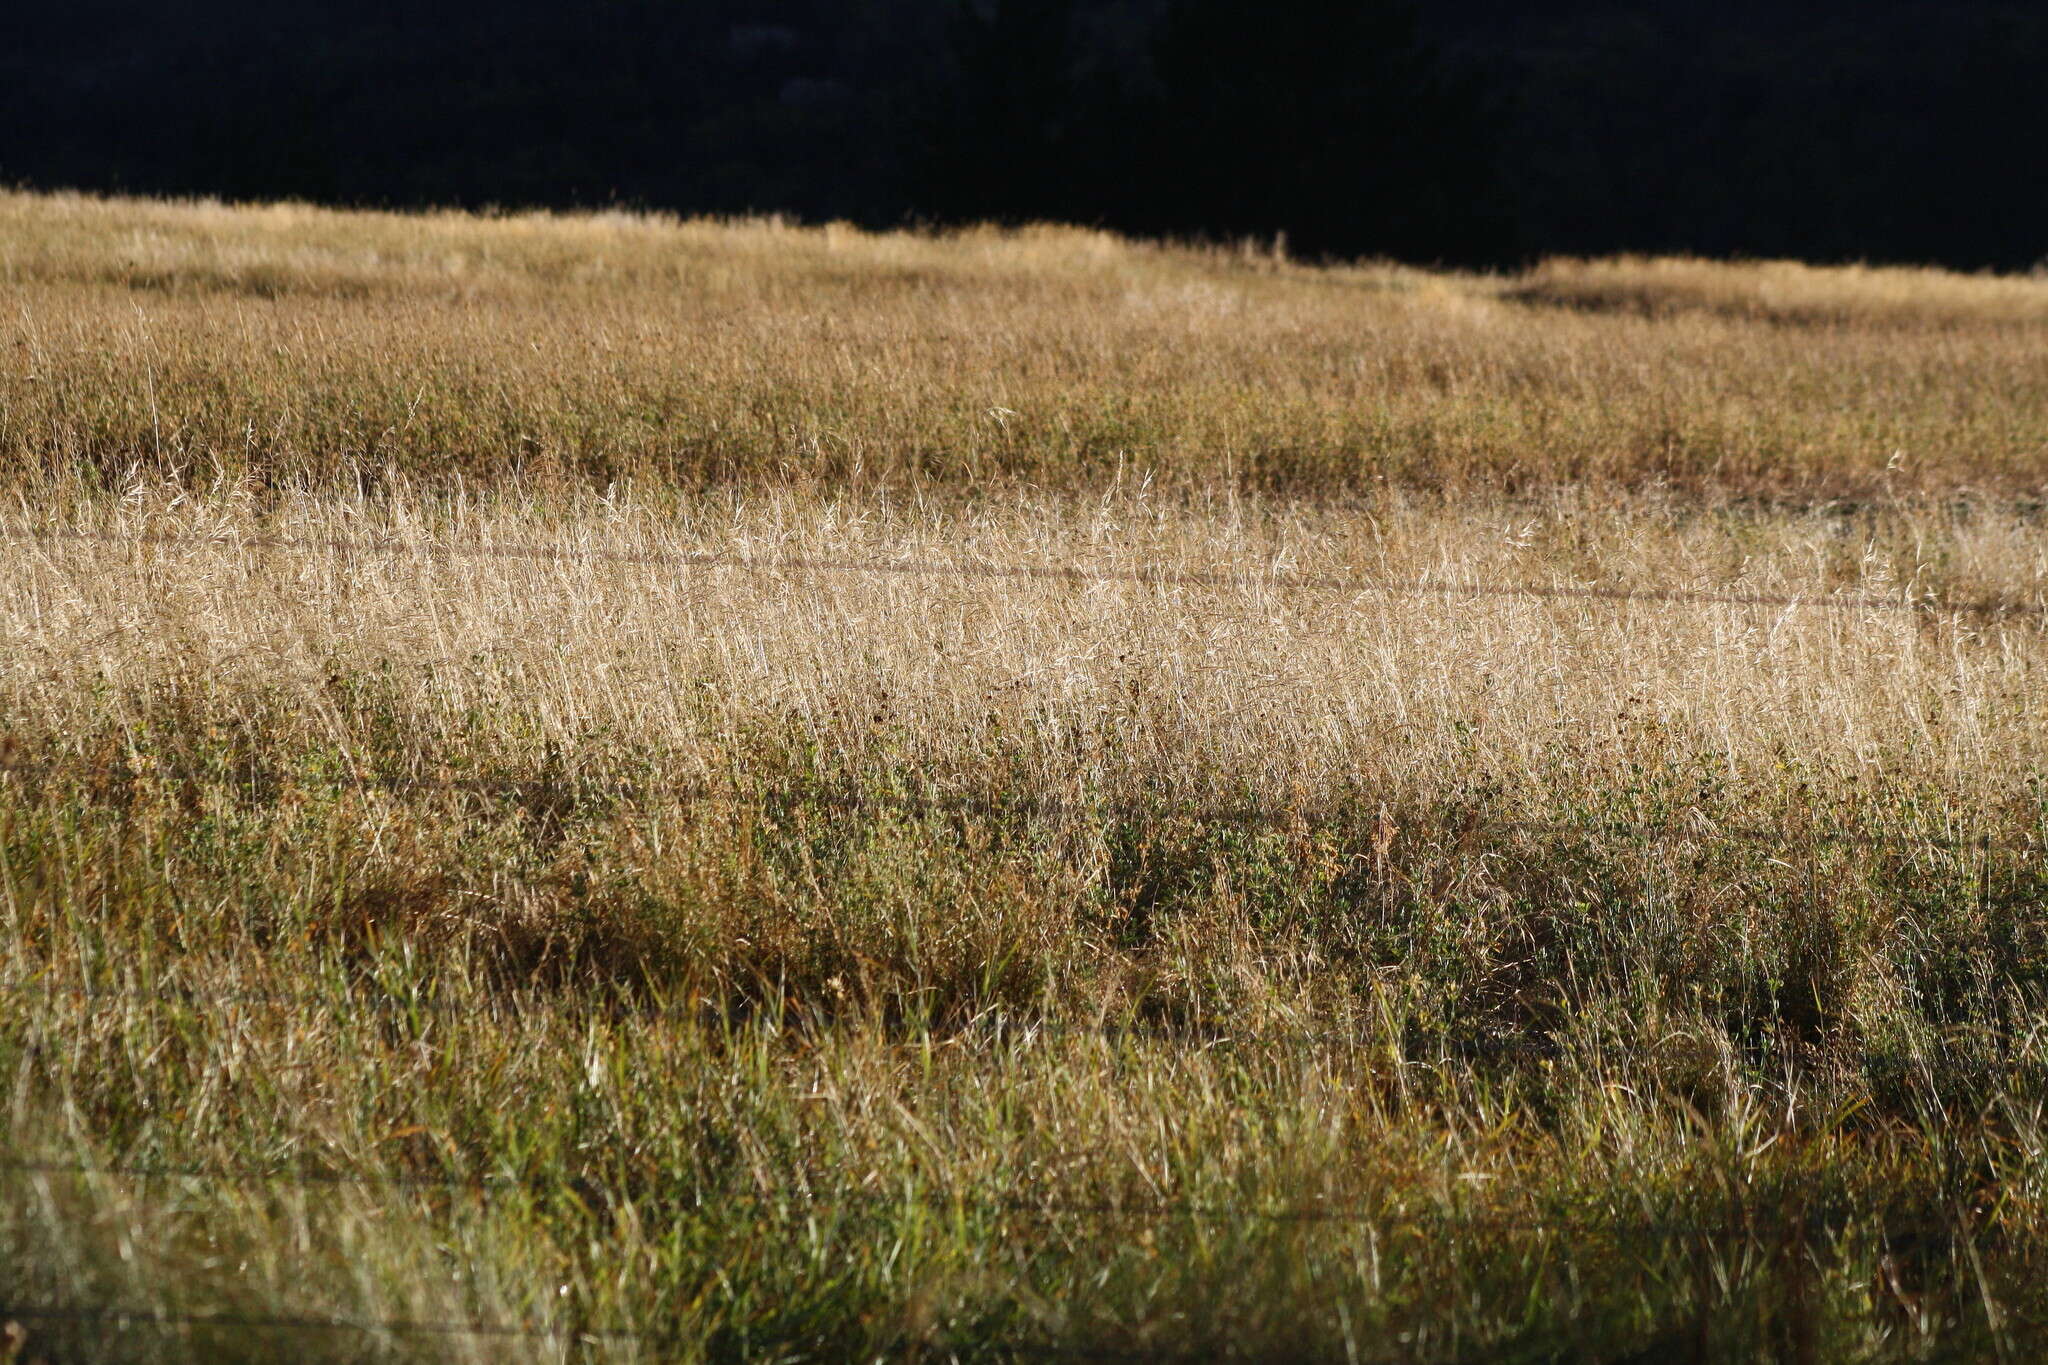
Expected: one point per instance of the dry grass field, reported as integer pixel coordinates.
(622, 790)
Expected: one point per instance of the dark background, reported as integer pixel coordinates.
(1469, 131)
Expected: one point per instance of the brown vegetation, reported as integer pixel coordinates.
(302, 344)
(797, 793)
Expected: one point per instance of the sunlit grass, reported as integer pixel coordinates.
(687, 943)
(298, 343)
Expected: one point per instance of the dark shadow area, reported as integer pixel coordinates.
(1470, 131)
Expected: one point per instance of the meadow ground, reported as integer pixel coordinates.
(612, 789)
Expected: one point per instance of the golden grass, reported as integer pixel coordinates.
(1101, 684)
(530, 793)
(303, 344)
(1789, 292)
